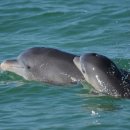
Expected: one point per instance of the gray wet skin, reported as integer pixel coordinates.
(45, 64)
(103, 75)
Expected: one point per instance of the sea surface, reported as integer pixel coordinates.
(75, 26)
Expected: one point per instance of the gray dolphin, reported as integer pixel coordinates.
(45, 64)
(103, 75)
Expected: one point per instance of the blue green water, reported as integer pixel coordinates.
(75, 26)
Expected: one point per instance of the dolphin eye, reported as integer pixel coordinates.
(28, 67)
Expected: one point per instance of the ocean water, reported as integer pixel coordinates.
(76, 26)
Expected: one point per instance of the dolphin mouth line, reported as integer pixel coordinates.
(4, 66)
(12, 66)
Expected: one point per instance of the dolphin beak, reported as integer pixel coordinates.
(76, 61)
(7, 65)
(13, 66)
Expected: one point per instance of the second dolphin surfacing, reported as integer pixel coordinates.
(104, 76)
